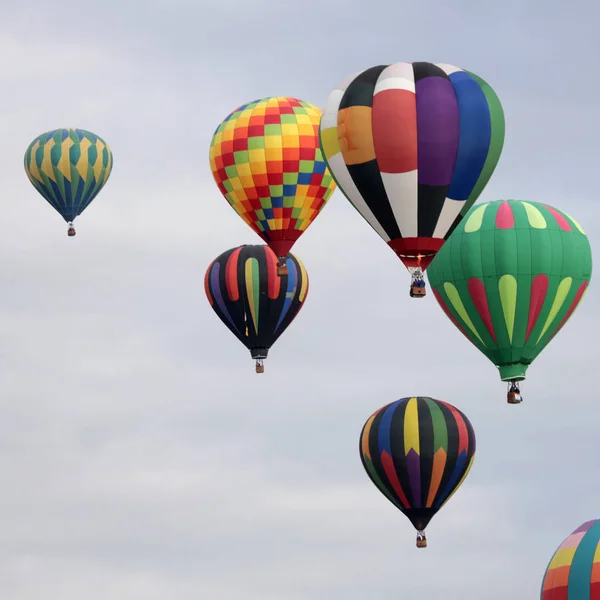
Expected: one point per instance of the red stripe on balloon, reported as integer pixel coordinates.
(390, 471)
(479, 297)
(505, 219)
(562, 222)
(274, 281)
(394, 119)
(576, 301)
(539, 288)
(231, 279)
(463, 432)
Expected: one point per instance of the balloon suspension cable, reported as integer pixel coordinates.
(513, 395)
(421, 539)
(260, 365)
(281, 267)
(71, 231)
(417, 283)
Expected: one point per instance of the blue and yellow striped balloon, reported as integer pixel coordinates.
(68, 167)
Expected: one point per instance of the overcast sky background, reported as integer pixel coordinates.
(141, 458)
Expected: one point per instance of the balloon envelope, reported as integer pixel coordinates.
(256, 304)
(574, 570)
(412, 146)
(266, 160)
(417, 451)
(68, 167)
(510, 277)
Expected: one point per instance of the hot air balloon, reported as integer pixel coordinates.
(266, 160)
(418, 451)
(256, 304)
(574, 570)
(509, 278)
(412, 146)
(68, 167)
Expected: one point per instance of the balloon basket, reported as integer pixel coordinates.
(417, 292)
(71, 231)
(514, 398)
(282, 269)
(260, 368)
(421, 543)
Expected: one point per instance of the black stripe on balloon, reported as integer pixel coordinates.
(360, 91)
(452, 430)
(426, 448)
(422, 70)
(366, 176)
(376, 459)
(431, 200)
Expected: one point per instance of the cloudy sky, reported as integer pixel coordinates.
(141, 458)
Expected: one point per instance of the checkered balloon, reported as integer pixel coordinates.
(266, 159)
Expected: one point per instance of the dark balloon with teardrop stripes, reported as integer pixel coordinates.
(418, 451)
(254, 302)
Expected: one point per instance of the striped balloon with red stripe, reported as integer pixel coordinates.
(254, 302)
(510, 277)
(417, 451)
(574, 569)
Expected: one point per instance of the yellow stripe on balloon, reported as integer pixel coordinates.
(64, 164)
(47, 168)
(33, 168)
(559, 300)
(98, 164)
(304, 286)
(82, 163)
(250, 291)
(576, 224)
(507, 288)
(474, 222)
(411, 427)
(534, 216)
(330, 141)
(562, 558)
(459, 307)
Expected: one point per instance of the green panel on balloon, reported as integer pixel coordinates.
(510, 276)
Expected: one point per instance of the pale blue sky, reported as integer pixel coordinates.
(140, 456)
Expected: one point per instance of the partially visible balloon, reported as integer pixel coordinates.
(574, 570)
(412, 146)
(266, 160)
(418, 451)
(510, 277)
(257, 305)
(68, 167)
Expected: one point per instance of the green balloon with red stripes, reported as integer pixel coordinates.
(510, 276)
